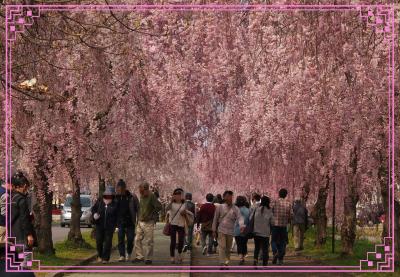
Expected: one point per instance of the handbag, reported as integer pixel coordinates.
(167, 226)
(249, 230)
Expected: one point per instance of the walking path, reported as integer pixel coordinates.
(197, 260)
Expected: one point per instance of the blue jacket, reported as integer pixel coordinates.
(246, 215)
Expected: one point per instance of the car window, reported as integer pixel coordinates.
(85, 202)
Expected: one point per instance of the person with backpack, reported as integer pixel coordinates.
(177, 217)
(189, 236)
(105, 213)
(240, 237)
(128, 209)
(300, 221)
(261, 218)
(205, 217)
(3, 196)
(20, 220)
(225, 217)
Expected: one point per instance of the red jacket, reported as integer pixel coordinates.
(206, 213)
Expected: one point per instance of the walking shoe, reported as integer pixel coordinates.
(104, 261)
(121, 259)
(148, 262)
(137, 260)
(204, 250)
(99, 260)
(128, 257)
(185, 248)
(255, 262)
(280, 262)
(275, 259)
(172, 260)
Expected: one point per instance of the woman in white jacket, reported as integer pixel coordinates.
(178, 216)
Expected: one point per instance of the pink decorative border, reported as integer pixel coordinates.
(379, 17)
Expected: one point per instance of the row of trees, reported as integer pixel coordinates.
(206, 100)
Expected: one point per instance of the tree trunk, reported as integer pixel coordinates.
(319, 215)
(42, 207)
(383, 181)
(348, 228)
(102, 186)
(75, 235)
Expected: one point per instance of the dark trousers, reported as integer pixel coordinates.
(241, 245)
(261, 243)
(278, 241)
(129, 232)
(181, 238)
(209, 243)
(189, 237)
(104, 242)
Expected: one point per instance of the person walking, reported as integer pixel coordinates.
(241, 238)
(262, 220)
(300, 221)
(105, 213)
(205, 217)
(21, 224)
(177, 216)
(225, 217)
(189, 236)
(128, 209)
(282, 213)
(144, 240)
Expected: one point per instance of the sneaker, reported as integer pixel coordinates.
(121, 259)
(148, 262)
(104, 261)
(99, 260)
(275, 259)
(185, 248)
(128, 257)
(280, 262)
(204, 250)
(255, 262)
(137, 260)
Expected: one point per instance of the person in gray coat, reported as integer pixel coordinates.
(300, 220)
(262, 220)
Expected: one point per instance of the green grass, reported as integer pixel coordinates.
(67, 254)
(325, 255)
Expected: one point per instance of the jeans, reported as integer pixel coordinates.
(181, 238)
(189, 237)
(104, 242)
(129, 231)
(210, 241)
(278, 241)
(261, 243)
(241, 245)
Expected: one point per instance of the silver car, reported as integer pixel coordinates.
(86, 214)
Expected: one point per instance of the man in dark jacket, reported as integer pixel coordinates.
(128, 209)
(20, 220)
(192, 208)
(300, 220)
(105, 217)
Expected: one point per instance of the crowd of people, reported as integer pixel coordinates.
(220, 222)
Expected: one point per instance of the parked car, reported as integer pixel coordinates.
(86, 214)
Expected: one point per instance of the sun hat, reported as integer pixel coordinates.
(109, 191)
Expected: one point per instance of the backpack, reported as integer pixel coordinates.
(2, 206)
